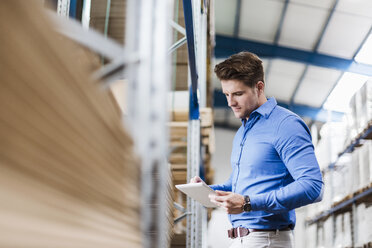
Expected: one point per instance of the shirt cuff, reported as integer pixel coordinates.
(257, 202)
(215, 186)
(212, 186)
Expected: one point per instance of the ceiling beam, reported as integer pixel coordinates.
(331, 12)
(334, 86)
(316, 46)
(226, 46)
(291, 101)
(316, 114)
(280, 26)
(237, 18)
(278, 33)
(361, 44)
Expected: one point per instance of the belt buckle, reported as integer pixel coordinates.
(238, 231)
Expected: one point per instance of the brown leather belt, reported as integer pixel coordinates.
(241, 231)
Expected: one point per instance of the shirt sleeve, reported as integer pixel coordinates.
(294, 146)
(226, 186)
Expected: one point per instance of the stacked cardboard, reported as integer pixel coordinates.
(178, 156)
(178, 142)
(361, 109)
(69, 177)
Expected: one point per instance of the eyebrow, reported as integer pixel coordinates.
(240, 91)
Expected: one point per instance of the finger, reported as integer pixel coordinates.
(220, 192)
(215, 202)
(196, 179)
(220, 198)
(211, 197)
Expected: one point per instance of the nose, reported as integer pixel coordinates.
(230, 101)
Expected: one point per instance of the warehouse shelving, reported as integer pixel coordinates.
(344, 205)
(144, 61)
(366, 134)
(195, 13)
(350, 199)
(349, 202)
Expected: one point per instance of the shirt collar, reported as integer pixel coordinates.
(266, 108)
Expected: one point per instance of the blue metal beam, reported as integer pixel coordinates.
(189, 26)
(361, 44)
(237, 18)
(291, 101)
(280, 26)
(317, 114)
(316, 46)
(226, 46)
(345, 205)
(331, 12)
(72, 11)
(334, 86)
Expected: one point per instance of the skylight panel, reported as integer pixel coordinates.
(365, 54)
(346, 87)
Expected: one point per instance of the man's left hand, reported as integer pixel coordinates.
(231, 202)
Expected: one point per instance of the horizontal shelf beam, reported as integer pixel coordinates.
(340, 206)
(87, 37)
(366, 134)
(226, 46)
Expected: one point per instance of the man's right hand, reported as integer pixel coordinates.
(196, 179)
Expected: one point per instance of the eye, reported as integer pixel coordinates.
(238, 93)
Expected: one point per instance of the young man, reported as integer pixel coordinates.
(273, 161)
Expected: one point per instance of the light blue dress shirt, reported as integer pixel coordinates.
(273, 162)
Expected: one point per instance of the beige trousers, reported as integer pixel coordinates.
(281, 239)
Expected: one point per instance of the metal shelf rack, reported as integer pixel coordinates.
(145, 61)
(349, 203)
(366, 134)
(345, 205)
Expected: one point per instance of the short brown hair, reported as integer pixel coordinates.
(244, 66)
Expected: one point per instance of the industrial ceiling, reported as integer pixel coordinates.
(309, 48)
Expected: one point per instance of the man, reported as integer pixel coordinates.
(273, 161)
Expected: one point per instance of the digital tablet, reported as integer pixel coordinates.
(198, 192)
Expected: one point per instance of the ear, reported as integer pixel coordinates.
(260, 86)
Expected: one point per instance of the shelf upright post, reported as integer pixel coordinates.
(194, 232)
(63, 8)
(201, 48)
(195, 12)
(200, 26)
(148, 37)
(331, 179)
(354, 224)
